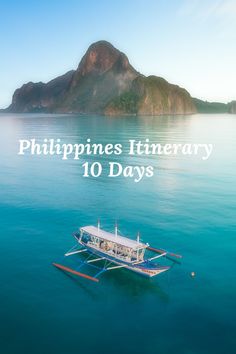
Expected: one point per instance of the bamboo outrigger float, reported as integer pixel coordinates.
(114, 251)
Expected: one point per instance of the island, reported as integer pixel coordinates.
(106, 83)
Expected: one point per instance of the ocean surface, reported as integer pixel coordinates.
(187, 207)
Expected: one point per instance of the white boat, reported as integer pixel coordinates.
(114, 251)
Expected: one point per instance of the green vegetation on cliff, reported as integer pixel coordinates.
(126, 102)
(148, 86)
(151, 95)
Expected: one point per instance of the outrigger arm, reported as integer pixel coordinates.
(74, 252)
(96, 259)
(159, 255)
(156, 250)
(94, 278)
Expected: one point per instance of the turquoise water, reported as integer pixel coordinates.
(188, 207)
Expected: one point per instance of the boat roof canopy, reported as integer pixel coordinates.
(121, 240)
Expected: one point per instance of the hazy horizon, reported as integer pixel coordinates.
(188, 44)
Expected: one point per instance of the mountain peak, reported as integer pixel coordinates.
(100, 57)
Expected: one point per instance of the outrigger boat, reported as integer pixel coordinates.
(114, 252)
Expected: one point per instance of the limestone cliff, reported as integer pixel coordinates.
(152, 96)
(40, 97)
(103, 73)
(104, 83)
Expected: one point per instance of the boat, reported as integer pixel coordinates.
(113, 251)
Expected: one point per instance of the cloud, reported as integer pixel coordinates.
(224, 9)
(227, 9)
(221, 13)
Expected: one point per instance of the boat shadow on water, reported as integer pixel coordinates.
(125, 282)
(137, 287)
(91, 292)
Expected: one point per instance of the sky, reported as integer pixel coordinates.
(191, 43)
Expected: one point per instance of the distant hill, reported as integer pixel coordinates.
(210, 107)
(214, 107)
(106, 83)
